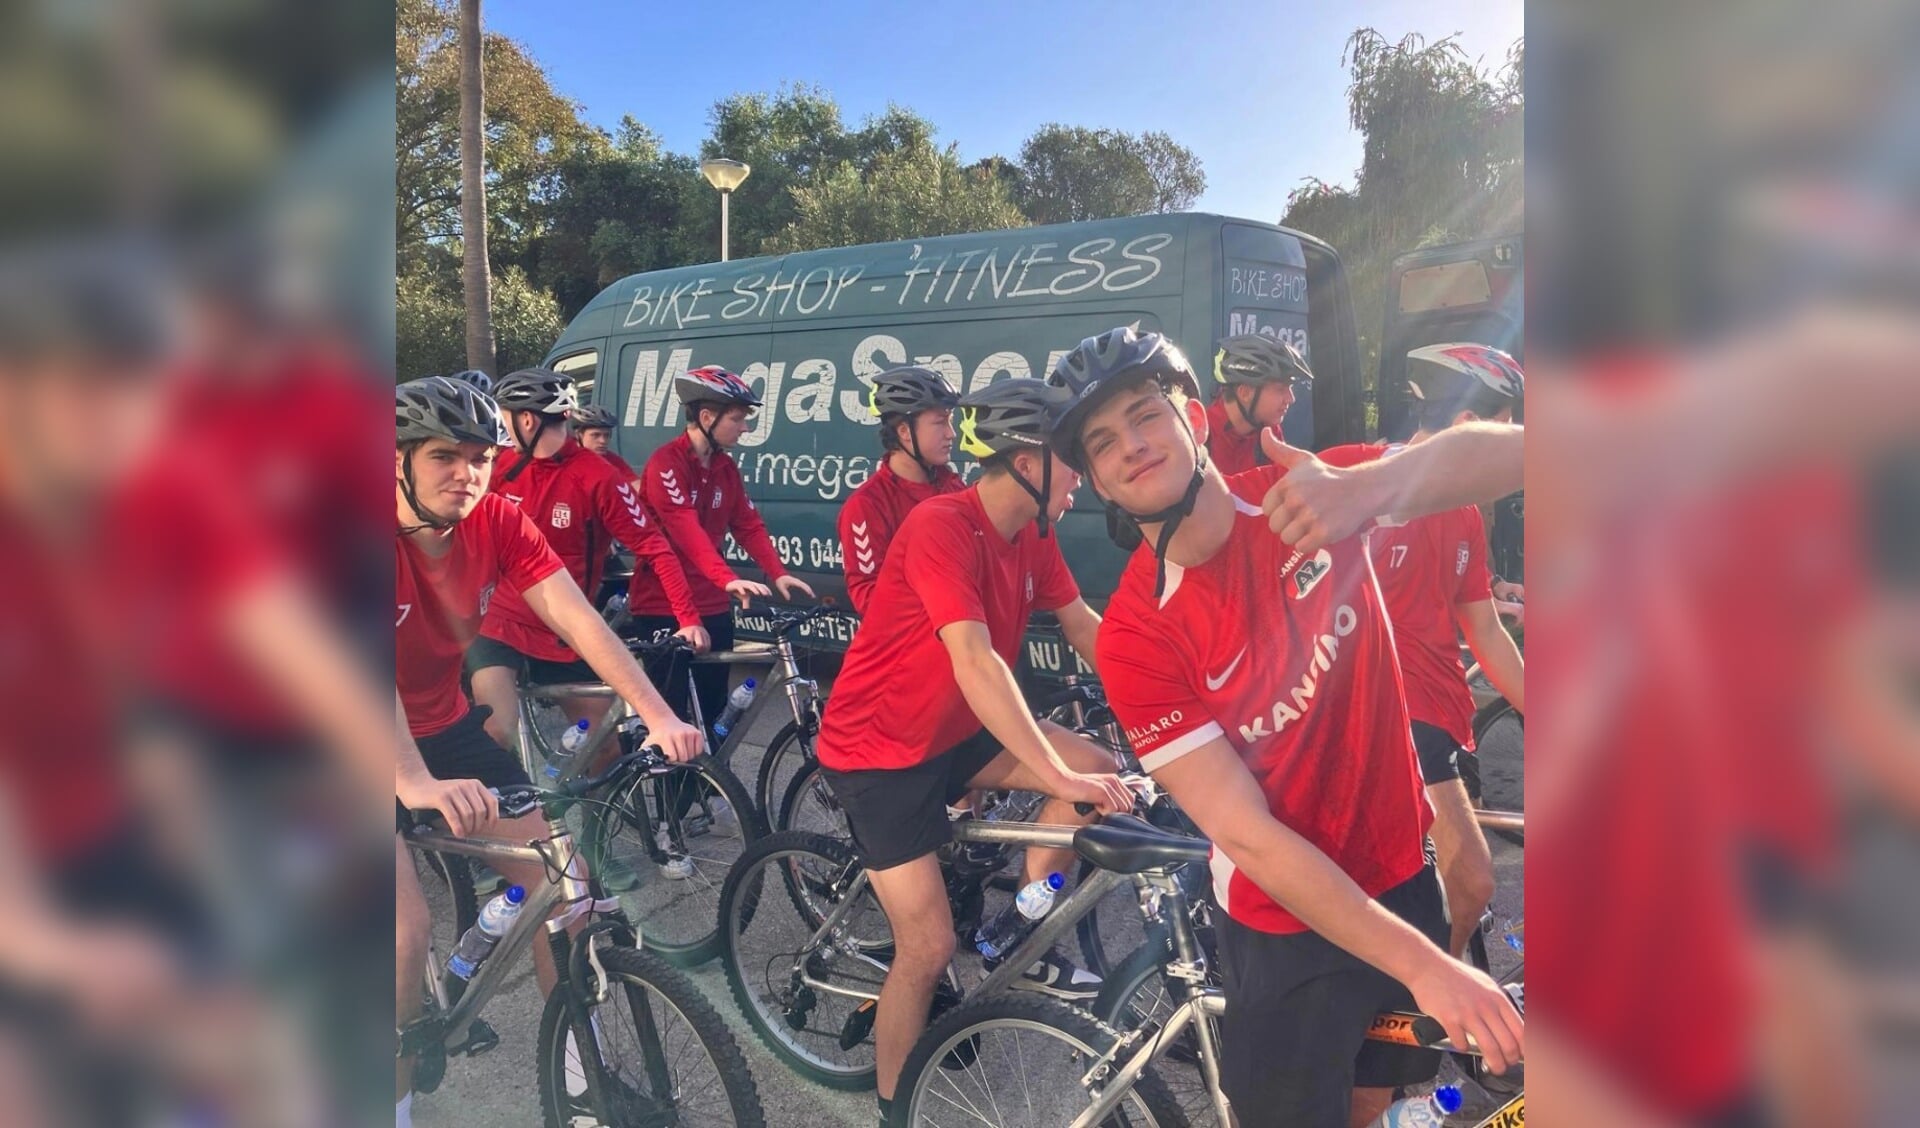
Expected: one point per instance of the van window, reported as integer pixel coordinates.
(583, 367)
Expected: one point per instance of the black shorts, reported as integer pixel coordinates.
(899, 814)
(1298, 1008)
(1439, 753)
(463, 750)
(484, 652)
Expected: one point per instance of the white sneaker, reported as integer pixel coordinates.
(677, 868)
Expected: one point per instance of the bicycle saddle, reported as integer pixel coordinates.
(1129, 844)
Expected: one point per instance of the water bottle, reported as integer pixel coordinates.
(477, 944)
(571, 742)
(1004, 932)
(737, 703)
(1428, 1111)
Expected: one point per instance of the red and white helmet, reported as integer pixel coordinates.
(1462, 366)
(714, 384)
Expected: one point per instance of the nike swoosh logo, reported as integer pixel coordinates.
(1214, 684)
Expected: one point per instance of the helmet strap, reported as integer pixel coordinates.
(1125, 529)
(913, 447)
(408, 491)
(526, 445)
(1040, 495)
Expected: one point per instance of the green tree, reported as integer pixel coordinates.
(528, 126)
(430, 320)
(1068, 173)
(1442, 160)
(908, 194)
(792, 138)
(613, 210)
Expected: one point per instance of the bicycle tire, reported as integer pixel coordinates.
(1119, 1005)
(677, 916)
(810, 805)
(1495, 724)
(775, 771)
(644, 975)
(961, 1037)
(457, 873)
(769, 1002)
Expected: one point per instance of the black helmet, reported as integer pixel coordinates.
(595, 416)
(475, 377)
(1009, 415)
(1254, 360)
(540, 390)
(1095, 370)
(435, 407)
(909, 391)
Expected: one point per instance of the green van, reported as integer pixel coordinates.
(809, 330)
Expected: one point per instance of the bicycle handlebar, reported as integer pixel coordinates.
(785, 622)
(524, 799)
(1145, 794)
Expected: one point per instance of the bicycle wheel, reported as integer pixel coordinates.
(1499, 762)
(1135, 997)
(667, 1054)
(809, 804)
(768, 948)
(790, 751)
(665, 847)
(1016, 1060)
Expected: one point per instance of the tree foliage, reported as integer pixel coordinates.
(1442, 160)
(1067, 174)
(430, 320)
(907, 194)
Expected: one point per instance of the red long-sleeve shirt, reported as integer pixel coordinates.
(872, 515)
(580, 504)
(699, 505)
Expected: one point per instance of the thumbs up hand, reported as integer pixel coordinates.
(1314, 504)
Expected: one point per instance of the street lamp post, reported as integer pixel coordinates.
(725, 175)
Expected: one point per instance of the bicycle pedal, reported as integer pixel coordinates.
(859, 1024)
(480, 1039)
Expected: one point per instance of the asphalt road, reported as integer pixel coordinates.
(500, 1090)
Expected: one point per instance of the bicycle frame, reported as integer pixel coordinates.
(570, 887)
(802, 693)
(1051, 928)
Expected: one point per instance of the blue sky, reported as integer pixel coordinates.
(1254, 88)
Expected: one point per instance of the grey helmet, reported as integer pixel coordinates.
(1254, 359)
(909, 391)
(594, 416)
(436, 407)
(1012, 415)
(902, 394)
(540, 390)
(1009, 415)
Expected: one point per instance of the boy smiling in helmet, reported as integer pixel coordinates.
(1258, 685)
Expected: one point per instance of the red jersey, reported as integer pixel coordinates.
(1428, 567)
(896, 703)
(699, 505)
(873, 514)
(314, 480)
(58, 765)
(581, 505)
(627, 472)
(1316, 713)
(441, 600)
(1233, 452)
(183, 549)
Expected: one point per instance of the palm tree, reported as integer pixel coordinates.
(473, 194)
